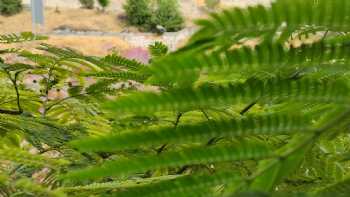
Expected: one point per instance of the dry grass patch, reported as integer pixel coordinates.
(77, 19)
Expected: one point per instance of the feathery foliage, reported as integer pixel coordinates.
(24, 36)
(240, 66)
(197, 155)
(268, 124)
(158, 49)
(256, 103)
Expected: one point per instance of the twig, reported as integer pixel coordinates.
(176, 123)
(19, 107)
(214, 139)
(14, 81)
(47, 88)
(10, 112)
(248, 107)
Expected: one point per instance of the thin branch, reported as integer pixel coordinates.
(186, 167)
(10, 112)
(19, 107)
(14, 81)
(213, 140)
(176, 123)
(161, 149)
(47, 88)
(325, 35)
(248, 107)
(206, 115)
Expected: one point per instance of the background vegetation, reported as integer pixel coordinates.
(149, 14)
(138, 12)
(103, 3)
(88, 4)
(10, 7)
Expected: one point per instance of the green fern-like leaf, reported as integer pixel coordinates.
(22, 37)
(158, 49)
(10, 50)
(202, 185)
(23, 157)
(305, 90)
(291, 14)
(266, 124)
(72, 58)
(265, 57)
(41, 60)
(36, 189)
(117, 60)
(200, 155)
(37, 131)
(341, 188)
(118, 75)
(96, 187)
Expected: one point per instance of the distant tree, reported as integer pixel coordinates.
(138, 12)
(104, 3)
(88, 4)
(10, 7)
(168, 15)
(154, 15)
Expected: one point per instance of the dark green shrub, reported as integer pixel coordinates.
(10, 7)
(138, 12)
(103, 3)
(168, 15)
(88, 4)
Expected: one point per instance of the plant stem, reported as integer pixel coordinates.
(19, 107)
(47, 88)
(248, 107)
(176, 123)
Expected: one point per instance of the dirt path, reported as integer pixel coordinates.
(172, 39)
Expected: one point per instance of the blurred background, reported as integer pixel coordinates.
(101, 26)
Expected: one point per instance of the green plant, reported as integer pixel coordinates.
(158, 49)
(150, 15)
(138, 12)
(103, 3)
(255, 104)
(46, 101)
(88, 4)
(10, 7)
(168, 15)
(254, 113)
